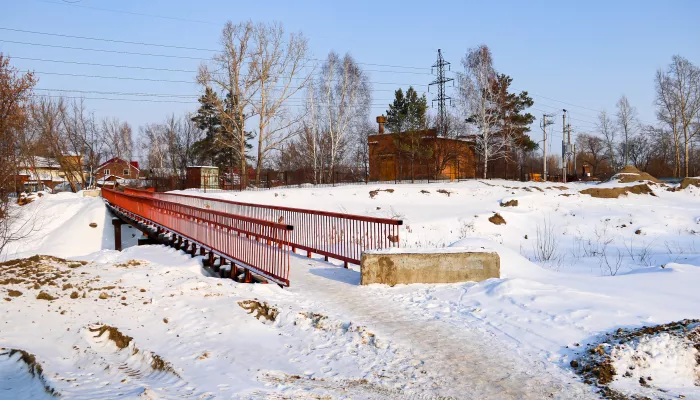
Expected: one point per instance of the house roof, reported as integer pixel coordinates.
(134, 164)
(40, 162)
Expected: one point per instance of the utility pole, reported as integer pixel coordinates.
(568, 149)
(441, 98)
(563, 147)
(543, 124)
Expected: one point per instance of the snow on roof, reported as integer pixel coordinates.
(40, 162)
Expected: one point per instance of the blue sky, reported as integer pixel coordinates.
(584, 53)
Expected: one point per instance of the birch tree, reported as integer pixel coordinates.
(477, 97)
(606, 127)
(684, 80)
(278, 66)
(339, 102)
(231, 74)
(627, 122)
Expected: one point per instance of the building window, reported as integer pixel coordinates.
(126, 172)
(106, 172)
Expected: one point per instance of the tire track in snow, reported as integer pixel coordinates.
(107, 372)
(472, 364)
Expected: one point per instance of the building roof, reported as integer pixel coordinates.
(134, 164)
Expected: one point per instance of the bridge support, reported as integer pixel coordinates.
(117, 223)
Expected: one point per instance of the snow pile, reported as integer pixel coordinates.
(664, 360)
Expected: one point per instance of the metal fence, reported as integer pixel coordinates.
(336, 235)
(250, 243)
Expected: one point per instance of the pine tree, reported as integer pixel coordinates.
(406, 119)
(511, 119)
(509, 109)
(221, 144)
(207, 119)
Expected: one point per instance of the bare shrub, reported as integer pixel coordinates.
(546, 242)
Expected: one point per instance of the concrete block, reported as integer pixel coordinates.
(91, 193)
(448, 265)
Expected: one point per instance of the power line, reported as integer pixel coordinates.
(100, 50)
(72, 4)
(293, 101)
(105, 40)
(176, 47)
(167, 80)
(109, 77)
(113, 99)
(105, 65)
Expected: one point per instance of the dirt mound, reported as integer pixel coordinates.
(690, 182)
(509, 203)
(613, 193)
(595, 363)
(497, 219)
(631, 174)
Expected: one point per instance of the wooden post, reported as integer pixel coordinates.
(117, 233)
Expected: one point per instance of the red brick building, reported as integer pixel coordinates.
(444, 158)
(117, 169)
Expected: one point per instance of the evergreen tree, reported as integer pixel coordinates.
(509, 111)
(406, 119)
(221, 144)
(407, 112)
(512, 122)
(207, 119)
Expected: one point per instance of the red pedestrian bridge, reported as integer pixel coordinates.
(256, 240)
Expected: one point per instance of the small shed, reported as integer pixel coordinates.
(202, 177)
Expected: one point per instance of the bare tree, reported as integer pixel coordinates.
(592, 150)
(685, 81)
(338, 105)
(119, 139)
(678, 102)
(607, 129)
(640, 149)
(627, 122)
(15, 104)
(279, 70)
(169, 145)
(477, 96)
(233, 75)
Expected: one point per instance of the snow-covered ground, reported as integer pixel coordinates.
(607, 263)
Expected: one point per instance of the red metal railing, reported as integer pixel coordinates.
(243, 240)
(336, 235)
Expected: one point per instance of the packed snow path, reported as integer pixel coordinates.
(470, 364)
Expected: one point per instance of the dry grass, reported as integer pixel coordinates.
(373, 193)
(121, 340)
(260, 310)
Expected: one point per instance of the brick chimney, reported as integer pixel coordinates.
(381, 120)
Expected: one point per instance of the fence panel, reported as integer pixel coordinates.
(335, 235)
(243, 240)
